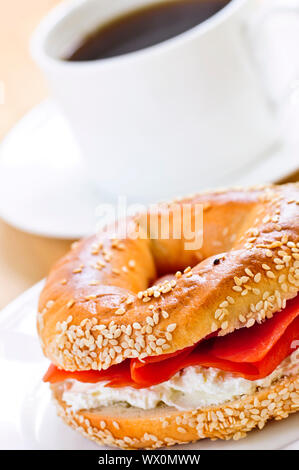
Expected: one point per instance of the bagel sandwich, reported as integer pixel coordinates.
(152, 344)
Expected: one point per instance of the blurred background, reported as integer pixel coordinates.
(26, 258)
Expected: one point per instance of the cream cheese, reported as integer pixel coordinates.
(193, 387)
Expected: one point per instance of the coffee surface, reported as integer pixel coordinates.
(144, 27)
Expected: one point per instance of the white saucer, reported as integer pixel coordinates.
(44, 187)
(28, 418)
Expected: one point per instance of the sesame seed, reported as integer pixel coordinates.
(257, 278)
(90, 297)
(237, 288)
(171, 327)
(182, 430)
(150, 321)
(120, 311)
(250, 322)
(132, 263)
(265, 266)
(77, 270)
(248, 272)
(218, 313)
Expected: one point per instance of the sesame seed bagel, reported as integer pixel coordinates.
(101, 303)
(132, 428)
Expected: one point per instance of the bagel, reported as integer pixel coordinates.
(102, 305)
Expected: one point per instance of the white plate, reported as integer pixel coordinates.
(27, 416)
(44, 187)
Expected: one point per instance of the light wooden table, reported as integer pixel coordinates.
(24, 258)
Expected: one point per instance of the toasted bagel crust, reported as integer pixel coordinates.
(98, 307)
(131, 428)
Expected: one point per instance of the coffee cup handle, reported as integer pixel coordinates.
(274, 54)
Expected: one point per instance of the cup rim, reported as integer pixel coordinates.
(59, 13)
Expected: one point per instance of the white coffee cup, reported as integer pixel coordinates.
(170, 119)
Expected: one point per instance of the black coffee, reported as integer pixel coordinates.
(144, 27)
